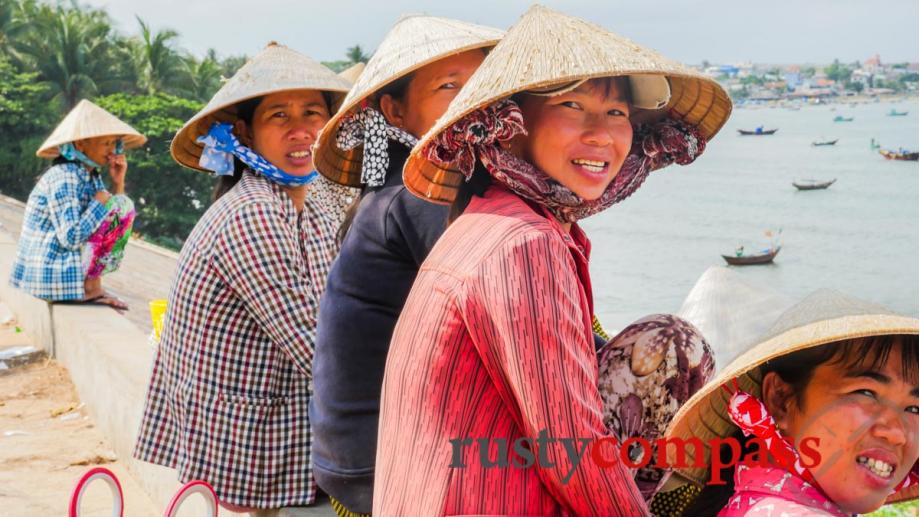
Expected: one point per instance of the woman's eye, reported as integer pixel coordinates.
(866, 392)
(571, 104)
(447, 86)
(279, 114)
(913, 409)
(618, 113)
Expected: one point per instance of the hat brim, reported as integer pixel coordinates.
(187, 151)
(52, 150)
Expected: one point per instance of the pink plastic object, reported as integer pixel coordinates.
(189, 489)
(105, 475)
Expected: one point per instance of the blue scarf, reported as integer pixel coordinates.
(221, 145)
(70, 152)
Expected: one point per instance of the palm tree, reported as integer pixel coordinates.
(203, 77)
(7, 8)
(68, 47)
(157, 62)
(356, 55)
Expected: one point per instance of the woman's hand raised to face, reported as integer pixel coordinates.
(117, 168)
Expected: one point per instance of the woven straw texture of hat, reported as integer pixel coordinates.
(275, 69)
(413, 42)
(86, 120)
(824, 317)
(731, 312)
(352, 73)
(545, 48)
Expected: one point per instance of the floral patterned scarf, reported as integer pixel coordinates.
(479, 135)
(368, 128)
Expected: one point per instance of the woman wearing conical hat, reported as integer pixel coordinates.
(820, 416)
(228, 396)
(414, 74)
(492, 380)
(74, 230)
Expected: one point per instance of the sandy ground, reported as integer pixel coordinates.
(47, 442)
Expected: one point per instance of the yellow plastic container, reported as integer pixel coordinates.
(157, 315)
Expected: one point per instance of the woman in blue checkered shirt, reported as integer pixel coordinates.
(74, 230)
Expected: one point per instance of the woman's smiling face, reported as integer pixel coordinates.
(866, 418)
(579, 138)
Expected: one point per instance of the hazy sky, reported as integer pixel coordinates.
(766, 31)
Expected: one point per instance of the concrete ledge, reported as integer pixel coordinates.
(34, 315)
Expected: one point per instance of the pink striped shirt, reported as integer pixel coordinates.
(495, 342)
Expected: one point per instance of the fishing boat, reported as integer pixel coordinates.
(757, 132)
(894, 113)
(840, 118)
(900, 155)
(750, 260)
(812, 184)
(824, 142)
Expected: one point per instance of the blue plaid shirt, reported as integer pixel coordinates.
(60, 216)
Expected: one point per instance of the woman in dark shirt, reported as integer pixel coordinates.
(413, 76)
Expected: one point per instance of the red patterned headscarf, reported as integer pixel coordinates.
(480, 133)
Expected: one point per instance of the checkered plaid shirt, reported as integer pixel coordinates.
(228, 397)
(60, 217)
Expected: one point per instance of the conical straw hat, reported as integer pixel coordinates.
(353, 72)
(86, 120)
(825, 316)
(275, 69)
(731, 312)
(413, 42)
(550, 51)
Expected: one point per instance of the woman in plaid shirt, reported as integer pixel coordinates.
(74, 230)
(228, 397)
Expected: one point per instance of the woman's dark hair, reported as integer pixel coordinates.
(245, 111)
(397, 90)
(797, 369)
(476, 186)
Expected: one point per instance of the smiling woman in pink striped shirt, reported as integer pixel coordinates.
(494, 346)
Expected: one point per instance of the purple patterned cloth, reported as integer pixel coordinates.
(647, 372)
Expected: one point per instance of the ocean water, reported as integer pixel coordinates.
(860, 236)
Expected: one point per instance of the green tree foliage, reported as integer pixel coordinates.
(158, 64)
(69, 47)
(169, 198)
(838, 72)
(26, 118)
(356, 55)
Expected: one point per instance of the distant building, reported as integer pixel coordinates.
(873, 64)
(793, 79)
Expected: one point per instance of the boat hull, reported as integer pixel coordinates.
(744, 132)
(752, 260)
